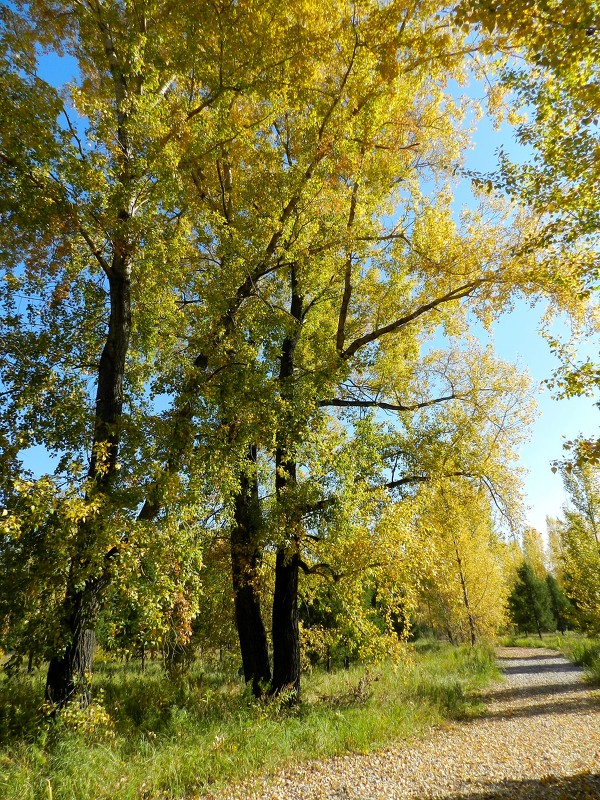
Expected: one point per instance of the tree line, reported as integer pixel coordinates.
(237, 304)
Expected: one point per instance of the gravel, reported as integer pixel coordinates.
(539, 739)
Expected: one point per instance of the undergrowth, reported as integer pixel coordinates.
(146, 737)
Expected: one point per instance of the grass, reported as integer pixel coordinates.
(150, 738)
(580, 649)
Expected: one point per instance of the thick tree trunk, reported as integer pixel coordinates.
(69, 673)
(245, 560)
(286, 632)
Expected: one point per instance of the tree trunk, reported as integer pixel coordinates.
(245, 559)
(465, 593)
(69, 673)
(286, 629)
(286, 632)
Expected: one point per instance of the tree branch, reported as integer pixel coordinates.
(324, 570)
(342, 403)
(455, 294)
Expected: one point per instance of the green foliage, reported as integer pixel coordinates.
(559, 603)
(586, 653)
(560, 89)
(187, 737)
(529, 602)
(578, 544)
(261, 212)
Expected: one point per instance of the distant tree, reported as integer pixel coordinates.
(559, 602)
(529, 602)
(465, 587)
(580, 542)
(534, 552)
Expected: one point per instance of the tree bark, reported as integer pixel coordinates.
(286, 630)
(245, 560)
(69, 673)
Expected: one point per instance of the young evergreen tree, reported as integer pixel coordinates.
(559, 602)
(529, 602)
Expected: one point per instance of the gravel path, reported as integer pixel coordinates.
(539, 739)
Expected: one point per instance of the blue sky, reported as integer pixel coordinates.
(515, 337)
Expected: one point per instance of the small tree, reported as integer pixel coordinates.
(529, 602)
(559, 602)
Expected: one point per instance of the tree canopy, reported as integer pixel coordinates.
(238, 305)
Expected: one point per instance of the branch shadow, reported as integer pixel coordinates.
(574, 705)
(583, 786)
(533, 657)
(524, 692)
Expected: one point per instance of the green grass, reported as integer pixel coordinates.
(580, 649)
(552, 640)
(151, 738)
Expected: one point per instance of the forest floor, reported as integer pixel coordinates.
(539, 738)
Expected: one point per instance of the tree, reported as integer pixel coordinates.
(529, 602)
(251, 215)
(579, 543)
(558, 85)
(535, 552)
(559, 603)
(94, 238)
(465, 589)
(331, 269)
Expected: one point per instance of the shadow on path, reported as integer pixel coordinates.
(562, 706)
(525, 692)
(536, 657)
(584, 786)
(534, 669)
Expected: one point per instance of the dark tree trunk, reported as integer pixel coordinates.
(69, 673)
(286, 632)
(466, 601)
(245, 560)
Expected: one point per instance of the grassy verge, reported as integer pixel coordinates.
(579, 649)
(150, 738)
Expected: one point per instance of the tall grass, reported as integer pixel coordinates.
(586, 653)
(148, 737)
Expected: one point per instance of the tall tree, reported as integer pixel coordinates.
(96, 240)
(580, 547)
(465, 589)
(332, 267)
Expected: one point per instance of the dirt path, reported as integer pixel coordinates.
(540, 739)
